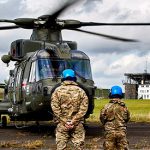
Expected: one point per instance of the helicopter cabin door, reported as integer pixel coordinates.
(17, 92)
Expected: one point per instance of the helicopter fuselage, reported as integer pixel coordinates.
(38, 72)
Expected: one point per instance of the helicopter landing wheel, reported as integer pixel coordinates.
(4, 121)
(37, 123)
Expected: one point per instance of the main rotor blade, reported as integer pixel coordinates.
(107, 36)
(74, 24)
(6, 20)
(27, 23)
(113, 24)
(9, 27)
(57, 13)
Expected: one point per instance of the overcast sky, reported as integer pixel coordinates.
(109, 59)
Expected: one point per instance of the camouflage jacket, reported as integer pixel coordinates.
(114, 115)
(69, 102)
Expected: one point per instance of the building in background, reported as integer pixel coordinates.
(137, 85)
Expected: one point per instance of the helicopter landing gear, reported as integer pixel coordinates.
(37, 123)
(4, 121)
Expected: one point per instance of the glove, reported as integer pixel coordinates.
(69, 125)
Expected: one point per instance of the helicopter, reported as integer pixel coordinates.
(39, 62)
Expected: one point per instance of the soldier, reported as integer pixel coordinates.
(114, 117)
(69, 104)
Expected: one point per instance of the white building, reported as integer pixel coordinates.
(144, 91)
(137, 85)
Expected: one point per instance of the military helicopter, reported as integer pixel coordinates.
(39, 62)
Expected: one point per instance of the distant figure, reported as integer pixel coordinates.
(45, 72)
(114, 117)
(69, 104)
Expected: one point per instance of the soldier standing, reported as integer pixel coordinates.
(69, 104)
(114, 117)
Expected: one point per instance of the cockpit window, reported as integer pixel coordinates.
(50, 68)
(81, 67)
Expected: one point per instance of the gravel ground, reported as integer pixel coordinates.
(42, 137)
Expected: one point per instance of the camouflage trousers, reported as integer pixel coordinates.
(115, 140)
(76, 135)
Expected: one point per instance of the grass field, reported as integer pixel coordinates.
(139, 109)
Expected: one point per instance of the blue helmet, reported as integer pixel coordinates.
(116, 92)
(68, 73)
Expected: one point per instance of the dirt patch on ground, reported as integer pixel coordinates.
(43, 138)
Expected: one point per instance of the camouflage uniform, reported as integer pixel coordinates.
(114, 117)
(69, 102)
